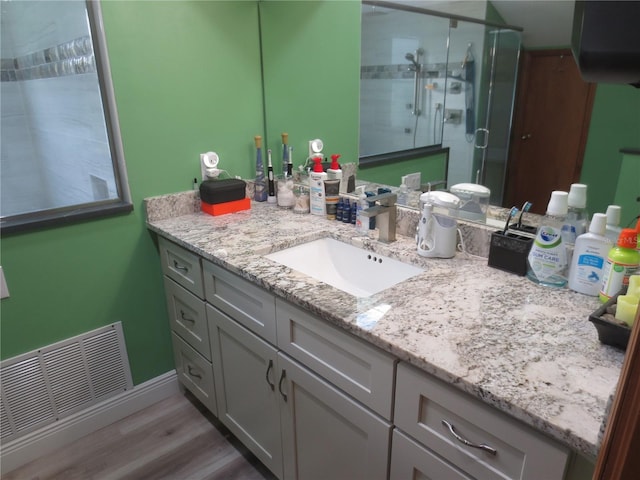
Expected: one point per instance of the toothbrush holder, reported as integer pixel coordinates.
(509, 252)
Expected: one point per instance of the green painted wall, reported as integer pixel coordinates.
(432, 169)
(615, 124)
(187, 80)
(311, 53)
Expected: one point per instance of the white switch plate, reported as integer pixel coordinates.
(4, 290)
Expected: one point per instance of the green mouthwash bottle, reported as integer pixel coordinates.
(547, 261)
(622, 262)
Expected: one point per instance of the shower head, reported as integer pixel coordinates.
(412, 58)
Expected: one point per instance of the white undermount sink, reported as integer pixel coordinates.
(351, 269)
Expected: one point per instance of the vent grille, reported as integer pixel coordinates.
(40, 387)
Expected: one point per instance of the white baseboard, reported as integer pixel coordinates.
(51, 437)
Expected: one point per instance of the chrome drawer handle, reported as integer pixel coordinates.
(193, 372)
(266, 376)
(182, 315)
(481, 446)
(282, 377)
(177, 266)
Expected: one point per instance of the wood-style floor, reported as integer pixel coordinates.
(175, 439)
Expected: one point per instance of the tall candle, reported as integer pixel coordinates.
(626, 308)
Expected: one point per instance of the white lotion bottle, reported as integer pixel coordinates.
(589, 258)
(317, 176)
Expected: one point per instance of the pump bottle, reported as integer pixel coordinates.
(317, 176)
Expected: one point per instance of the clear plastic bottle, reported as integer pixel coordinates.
(577, 216)
(589, 257)
(547, 260)
(622, 262)
(403, 192)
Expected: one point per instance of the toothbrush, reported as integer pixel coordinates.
(271, 188)
(285, 152)
(260, 194)
(525, 208)
(290, 163)
(511, 214)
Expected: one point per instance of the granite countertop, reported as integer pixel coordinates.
(525, 349)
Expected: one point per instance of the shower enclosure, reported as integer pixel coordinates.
(435, 80)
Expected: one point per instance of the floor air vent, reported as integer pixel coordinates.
(40, 387)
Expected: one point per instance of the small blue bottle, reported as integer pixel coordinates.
(340, 210)
(346, 211)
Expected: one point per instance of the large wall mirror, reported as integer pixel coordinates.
(62, 157)
(430, 80)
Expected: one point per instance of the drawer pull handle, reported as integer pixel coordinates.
(177, 266)
(182, 315)
(193, 372)
(282, 377)
(481, 446)
(266, 376)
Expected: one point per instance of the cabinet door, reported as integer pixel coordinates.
(325, 433)
(411, 461)
(194, 372)
(245, 375)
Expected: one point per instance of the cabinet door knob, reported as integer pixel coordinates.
(283, 375)
(266, 376)
(177, 266)
(193, 372)
(526, 136)
(481, 446)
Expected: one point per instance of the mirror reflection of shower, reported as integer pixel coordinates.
(416, 68)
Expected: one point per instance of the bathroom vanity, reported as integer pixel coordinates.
(462, 371)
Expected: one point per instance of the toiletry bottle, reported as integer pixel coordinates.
(577, 216)
(613, 223)
(316, 188)
(403, 192)
(547, 260)
(339, 209)
(362, 222)
(622, 262)
(346, 211)
(589, 257)
(334, 172)
(260, 194)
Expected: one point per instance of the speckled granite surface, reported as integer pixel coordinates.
(525, 349)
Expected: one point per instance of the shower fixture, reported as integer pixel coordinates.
(416, 68)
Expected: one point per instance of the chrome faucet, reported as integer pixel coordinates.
(385, 212)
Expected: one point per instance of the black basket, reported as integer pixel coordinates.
(610, 332)
(509, 252)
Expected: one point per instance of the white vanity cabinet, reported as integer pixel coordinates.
(480, 441)
(299, 424)
(190, 332)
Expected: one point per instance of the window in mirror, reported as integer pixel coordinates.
(61, 156)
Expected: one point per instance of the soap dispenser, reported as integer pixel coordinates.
(317, 177)
(334, 172)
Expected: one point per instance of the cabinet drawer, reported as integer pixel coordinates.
(424, 402)
(187, 317)
(411, 461)
(182, 266)
(362, 370)
(247, 304)
(194, 372)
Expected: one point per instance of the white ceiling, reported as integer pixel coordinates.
(545, 23)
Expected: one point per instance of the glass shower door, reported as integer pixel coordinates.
(495, 113)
